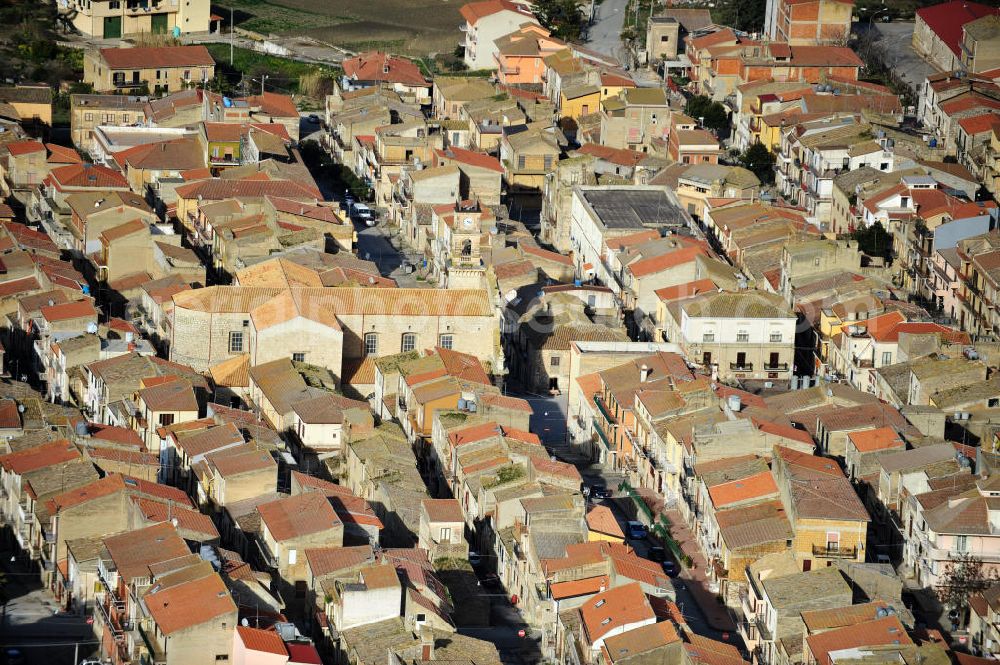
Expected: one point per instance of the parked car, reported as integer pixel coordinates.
(636, 530)
(600, 491)
(657, 554)
(363, 213)
(313, 119)
(670, 568)
(474, 558)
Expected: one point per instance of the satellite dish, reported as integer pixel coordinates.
(244, 622)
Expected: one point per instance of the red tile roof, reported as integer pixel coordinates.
(327, 560)
(602, 520)
(189, 604)
(256, 639)
(157, 57)
(184, 518)
(752, 487)
(657, 264)
(881, 632)
(91, 176)
(379, 66)
(881, 438)
(980, 124)
(18, 148)
(10, 417)
(300, 515)
(613, 609)
(134, 551)
(47, 454)
(478, 159)
(584, 587)
(946, 21)
(67, 311)
(443, 510)
(474, 11)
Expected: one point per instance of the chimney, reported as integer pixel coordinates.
(643, 374)
(426, 643)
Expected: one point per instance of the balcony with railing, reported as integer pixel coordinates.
(266, 555)
(776, 367)
(602, 435)
(602, 407)
(741, 367)
(832, 551)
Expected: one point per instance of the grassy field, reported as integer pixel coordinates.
(284, 75)
(414, 27)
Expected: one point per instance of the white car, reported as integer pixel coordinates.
(363, 213)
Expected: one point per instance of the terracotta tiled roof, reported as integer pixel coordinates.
(189, 604)
(380, 66)
(47, 454)
(18, 148)
(210, 439)
(471, 158)
(241, 459)
(946, 20)
(880, 632)
(614, 608)
(602, 520)
(329, 560)
(157, 57)
(92, 176)
(640, 640)
(881, 438)
(90, 492)
(443, 510)
(474, 11)
(584, 587)
(67, 311)
(186, 519)
(753, 487)
(134, 551)
(172, 395)
(267, 641)
(298, 515)
(10, 417)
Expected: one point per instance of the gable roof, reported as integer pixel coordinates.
(189, 604)
(157, 57)
(947, 18)
(296, 516)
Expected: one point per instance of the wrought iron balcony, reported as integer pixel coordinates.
(828, 552)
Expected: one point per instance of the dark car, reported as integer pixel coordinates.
(313, 119)
(657, 554)
(671, 568)
(491, 581)
(600, 492)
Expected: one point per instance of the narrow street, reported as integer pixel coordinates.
(32, 624)
(605, 32)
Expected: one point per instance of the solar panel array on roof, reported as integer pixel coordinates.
(628, 208)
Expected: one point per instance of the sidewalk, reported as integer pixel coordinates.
(715, 612)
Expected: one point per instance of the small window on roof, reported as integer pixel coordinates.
(606, 621)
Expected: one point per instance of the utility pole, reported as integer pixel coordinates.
(231, 27)
(263, 78)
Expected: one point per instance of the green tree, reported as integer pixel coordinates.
(713, 113)
(747, 15)
(759, 160)
(562, 17)
(874, 240)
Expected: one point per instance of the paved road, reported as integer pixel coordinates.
(897, 37)
(605, 33)
(30, 623)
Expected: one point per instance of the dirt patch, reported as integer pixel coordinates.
(414, 27)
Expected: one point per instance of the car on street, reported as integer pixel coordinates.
(313, 119)
(670, 568)
(656, 553)
(600, 491)
(636, 530)
(363, 213)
